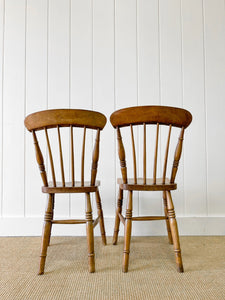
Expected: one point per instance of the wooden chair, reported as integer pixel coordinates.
(54, 120)
(149, 116)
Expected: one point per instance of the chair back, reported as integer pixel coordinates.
(59, 120)
(161, 118)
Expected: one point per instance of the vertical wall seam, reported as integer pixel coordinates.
(159, 48)
(114, 77)
(25, 106)
(182, 95)
(3, 57)
(47, 54)
(69, 87)
(137, 71)
(205, 105)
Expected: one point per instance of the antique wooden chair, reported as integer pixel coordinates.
(55, 120)
(148, 116)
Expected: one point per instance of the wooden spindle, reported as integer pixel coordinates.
(134, 154)
(166, 155)
(95, 157)
(61, 157)
(122, 156)
(72, 155)
(144, 154)
(40, 160)
(82, 158)
(50, 157)
(177, 156)
(156, 154)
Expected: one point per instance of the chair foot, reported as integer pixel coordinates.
(127, 232)
(117, 219)
(46, 233)
(101, 220)
(174, 232)
(115, 237)
(90, 235)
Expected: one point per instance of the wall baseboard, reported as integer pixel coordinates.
(32, 226)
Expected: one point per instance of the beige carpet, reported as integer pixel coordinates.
(152, 273)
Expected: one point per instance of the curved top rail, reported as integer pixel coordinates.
(65, 117)
(165, 115)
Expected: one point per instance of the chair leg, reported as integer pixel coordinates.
(127, 232)
(117, 219)
(101, 218)
(46, 233)
(90, 234)
(174, 231)
(53, 206)
(167, 220)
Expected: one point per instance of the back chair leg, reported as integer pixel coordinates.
(46, 232)
(101, 218)
(174, 231)
(90, 235)
(167, 220)
(127, 232)
(117, 219)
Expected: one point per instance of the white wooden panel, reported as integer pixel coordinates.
(2, 15)
(36, 98)
(193, 100)
(13, 108)
(215, 102)
(81, 54)
(126, 64)
(171, 76)
(81, 77)
(103, 96)
(148, 90)
(148, 52)
(59, 79)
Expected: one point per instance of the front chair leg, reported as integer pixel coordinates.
(101, 218)
(167, 219)
(90, 234)
(46, 233)
(174, 231)
(127, 232)
(53, 206)
(117, 219)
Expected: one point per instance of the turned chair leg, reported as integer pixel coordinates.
(167, 220)
(53, 206)
(101, 218)
(127, 232)
(117, 219)
(90, 234)
(174, 231)
(46, 233)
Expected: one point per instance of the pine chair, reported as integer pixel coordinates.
(54, 121)
(151, 117)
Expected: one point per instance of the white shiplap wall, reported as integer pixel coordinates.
(105, 55)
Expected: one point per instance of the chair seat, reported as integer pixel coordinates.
(149, 186)
(68, 188)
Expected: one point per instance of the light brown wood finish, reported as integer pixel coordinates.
(122, 157)
(70, 118)
(50, 157)
(166, 154)
(134, 154)
(144, 154)
(117, 219)
(72, 155)
(149, 116)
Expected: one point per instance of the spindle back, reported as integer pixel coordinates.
(150, 116)
(56, 119)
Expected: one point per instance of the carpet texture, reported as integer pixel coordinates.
(152, 272)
